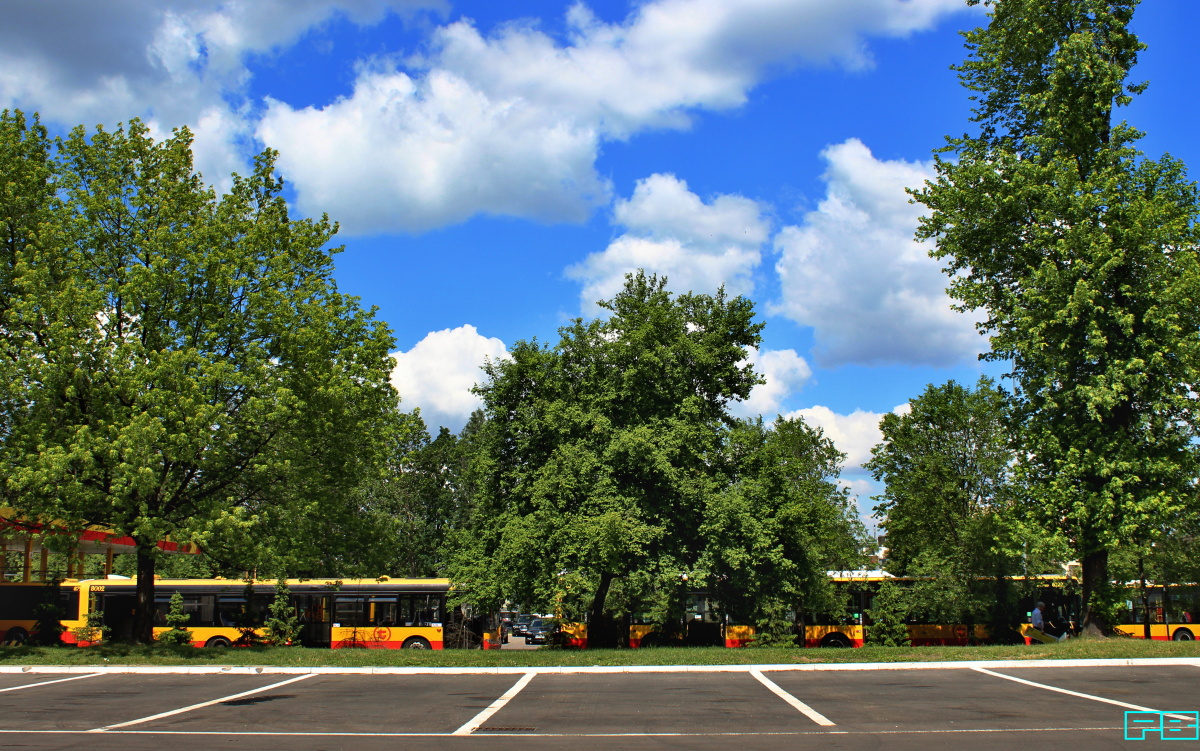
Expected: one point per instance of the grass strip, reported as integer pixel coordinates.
(165, 655)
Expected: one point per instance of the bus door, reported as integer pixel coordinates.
(118, 609)
(315, 620)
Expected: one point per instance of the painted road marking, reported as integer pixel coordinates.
(1069, 692)
(282, 734)
(808, 711)
(201, 705)
(47, 683)
(474, 723)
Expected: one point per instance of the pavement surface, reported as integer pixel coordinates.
(996, 705)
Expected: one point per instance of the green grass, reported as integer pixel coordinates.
(122, 654)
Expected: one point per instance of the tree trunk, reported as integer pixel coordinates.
(600, 632)
(1095, 579)
(143, 619)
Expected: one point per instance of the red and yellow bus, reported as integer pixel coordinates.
(334, 613)
(1167, 612)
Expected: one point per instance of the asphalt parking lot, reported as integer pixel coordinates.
(847, 707)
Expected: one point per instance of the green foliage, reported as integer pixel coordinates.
(187, 368)
(1082, 252)
(93, 628)
(888, 616)
(177, 620)
(780, 522)
(283, 623)
(597, 452)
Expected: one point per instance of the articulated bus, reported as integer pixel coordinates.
(703, 625)
(334, 613)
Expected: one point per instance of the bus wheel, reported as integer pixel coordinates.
(1182, 634)
(835, 640)
(416, 642)
(218, 642)
(16, 636)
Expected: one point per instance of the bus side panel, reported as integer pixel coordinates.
(938, 635)
(574, 635)
(1158, 631)
(383, 637)
(815, 635)
(738, 636)
(637, 632)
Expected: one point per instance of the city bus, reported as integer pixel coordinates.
(1169, 611)
(334, 613)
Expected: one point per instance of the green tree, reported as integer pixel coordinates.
(1082, 253)
(888, 616)
(282, 623)
(184, 365)
(778, 525)
(953, 510)
(177, 620)
(597, 450)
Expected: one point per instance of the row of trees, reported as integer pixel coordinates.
(179, 364)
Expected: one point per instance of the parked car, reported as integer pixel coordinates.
(539, 631)
(520, 626)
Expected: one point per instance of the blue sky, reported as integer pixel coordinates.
(497, 167)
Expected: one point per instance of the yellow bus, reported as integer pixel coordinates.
(1168, 612)
(334, 613)
(20, 601)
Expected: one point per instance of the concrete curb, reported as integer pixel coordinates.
(274, 670)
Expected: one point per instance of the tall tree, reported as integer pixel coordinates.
(599, 447)
(778, 525)
(1082, 252)
(952, 508)
(184, 364)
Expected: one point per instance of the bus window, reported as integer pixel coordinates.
(382, 611)
(349, 611)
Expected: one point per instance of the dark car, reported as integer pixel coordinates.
(520, 626)
(539, 631)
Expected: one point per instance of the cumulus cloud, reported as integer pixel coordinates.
(785, 371)
(438, 372)
(512, 122)
(508, 121)
(854, 434)
(853, 272)
(699, 246)
(170, 62)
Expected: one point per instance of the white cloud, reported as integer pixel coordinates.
(506, 122)
(438, 372)
(699, 246)
(785, 372)
(512, 122)
(854, 434)
(170, 62)
(854, 273)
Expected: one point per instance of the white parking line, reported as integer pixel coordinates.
(47, 683)
(201, 705)
(1069, 692)
(808, 711)
(474, 723)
